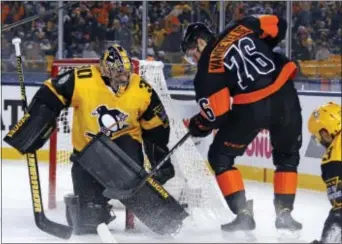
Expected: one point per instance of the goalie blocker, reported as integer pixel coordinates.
(37, 125)
(117, 172)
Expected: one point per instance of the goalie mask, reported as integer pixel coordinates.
(116, 68)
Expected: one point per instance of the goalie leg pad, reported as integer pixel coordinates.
(105, 166)
(34, 129)
(156, 208)
(85, 217)
(114, 169)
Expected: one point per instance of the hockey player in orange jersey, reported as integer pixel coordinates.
(242, 87)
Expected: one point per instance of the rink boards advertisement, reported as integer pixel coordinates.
(256, 162)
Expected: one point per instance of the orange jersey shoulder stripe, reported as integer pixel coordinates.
(269, 25)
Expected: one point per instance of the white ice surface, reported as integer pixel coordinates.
(311, 208)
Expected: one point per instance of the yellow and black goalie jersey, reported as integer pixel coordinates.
(332, 172)
(97, 108)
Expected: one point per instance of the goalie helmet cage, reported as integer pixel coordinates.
(194, 185)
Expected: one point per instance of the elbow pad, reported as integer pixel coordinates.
(35, 128)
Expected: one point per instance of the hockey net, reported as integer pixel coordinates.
(193, 185)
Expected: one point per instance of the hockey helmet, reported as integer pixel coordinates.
(116, 67)
(192, 33)
(327, 117)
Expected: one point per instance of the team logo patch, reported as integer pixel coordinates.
(109, 120)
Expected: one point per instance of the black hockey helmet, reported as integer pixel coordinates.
(192, 33)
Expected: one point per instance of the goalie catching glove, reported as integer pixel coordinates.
(37, 125)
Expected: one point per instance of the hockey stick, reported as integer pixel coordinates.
(43, 223)
(37, 16)
(125, 194)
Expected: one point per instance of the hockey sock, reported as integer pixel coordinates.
(285, 186)
(232, 187)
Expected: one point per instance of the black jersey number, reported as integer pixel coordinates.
(327, 154)
(144, 84)
(247, 61)
(84, 73)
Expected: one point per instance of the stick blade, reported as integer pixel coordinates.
(55, 229)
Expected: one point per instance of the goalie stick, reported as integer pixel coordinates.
(43, 223)
(125, 194)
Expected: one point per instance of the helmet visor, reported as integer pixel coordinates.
(191, 56)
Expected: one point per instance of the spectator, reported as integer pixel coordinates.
(172, 41)
(112, 33)
(6, 51)
(302, 44)
(158, 34)
(96, 22)
(89, 52)
(323, 52)
(337, 42)
(125, 36)
(151, 48)
(33, 55)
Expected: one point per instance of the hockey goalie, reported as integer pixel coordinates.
(116, 114)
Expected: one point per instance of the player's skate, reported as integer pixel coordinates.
(287, 226)
(86, 220)
(244, 222)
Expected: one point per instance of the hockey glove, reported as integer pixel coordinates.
(165, 173)
(196, 127)
(155, 154)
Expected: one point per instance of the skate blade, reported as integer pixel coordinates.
(285, 235)
(247, 236)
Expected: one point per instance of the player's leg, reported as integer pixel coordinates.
(332, 230)
(87, 207)
(231, 141)
(286, 140)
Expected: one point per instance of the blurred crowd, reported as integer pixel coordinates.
(90, 26)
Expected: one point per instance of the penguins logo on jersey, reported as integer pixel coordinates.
(110, 120)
